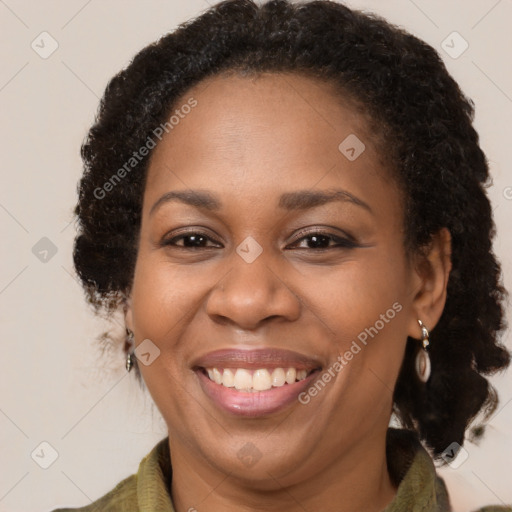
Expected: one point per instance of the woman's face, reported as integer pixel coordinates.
(252, 271)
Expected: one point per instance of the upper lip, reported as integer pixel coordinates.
(256, 358)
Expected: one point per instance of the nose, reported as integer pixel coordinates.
(252, 294)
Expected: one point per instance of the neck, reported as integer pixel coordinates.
(357, 480)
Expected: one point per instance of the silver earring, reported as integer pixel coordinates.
(129, 363)
(423, 366)
(129, 357)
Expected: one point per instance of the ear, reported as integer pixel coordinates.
(431, 272)
(128, 315)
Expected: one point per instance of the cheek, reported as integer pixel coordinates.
(367, 306)
(163, 296)
(355, 295)
(347, 297)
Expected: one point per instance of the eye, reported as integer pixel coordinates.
(316, 240)
(320, 240)
(191, 240)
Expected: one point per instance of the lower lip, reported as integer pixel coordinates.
(255, 404)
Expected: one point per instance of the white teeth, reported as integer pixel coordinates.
(291, 374)
(228, 379)
(261, 379)
(278, 377)
(243, 379)
(301, 374)
(217, 376)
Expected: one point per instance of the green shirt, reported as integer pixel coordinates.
(419, 488)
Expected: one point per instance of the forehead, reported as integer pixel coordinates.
(258, 136)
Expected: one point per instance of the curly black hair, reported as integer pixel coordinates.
(402, 85)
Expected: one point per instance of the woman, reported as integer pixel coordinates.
(287, 202)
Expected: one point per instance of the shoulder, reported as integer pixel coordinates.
(120, 499)
(413, 472)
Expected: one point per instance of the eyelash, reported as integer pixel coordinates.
(342, 243)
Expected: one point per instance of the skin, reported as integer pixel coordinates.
(249, 140)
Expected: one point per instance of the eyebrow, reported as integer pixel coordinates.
(297, 200)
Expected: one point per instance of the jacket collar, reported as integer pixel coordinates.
(412, 470)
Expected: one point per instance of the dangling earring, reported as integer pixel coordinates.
(422, 358)
(129, 358)
(129, 363)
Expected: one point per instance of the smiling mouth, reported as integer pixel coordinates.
(255, 383)
(256, 380)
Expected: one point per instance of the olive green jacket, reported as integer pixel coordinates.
(410, 467)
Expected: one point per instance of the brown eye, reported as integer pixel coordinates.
(191, 240)
(321, 240)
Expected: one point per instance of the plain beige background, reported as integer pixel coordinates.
(56, 387)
